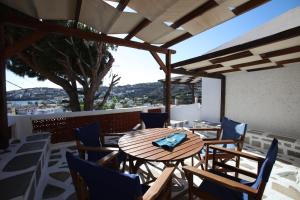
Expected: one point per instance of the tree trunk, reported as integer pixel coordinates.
(74, 102)
(88, 101)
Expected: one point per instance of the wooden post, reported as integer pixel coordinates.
(4, 135)
(223, 88)
(192, 86)
(168, 85)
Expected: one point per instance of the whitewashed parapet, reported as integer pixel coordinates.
(262, 140)
(23, 125)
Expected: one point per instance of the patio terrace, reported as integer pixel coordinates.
(40, 168)
(256, 78)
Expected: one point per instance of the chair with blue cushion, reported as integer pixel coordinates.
(221, 186)
(231, 136)
(94, 181)
(88, 142)
(154, 120)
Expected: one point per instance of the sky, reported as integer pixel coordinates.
(138, 66)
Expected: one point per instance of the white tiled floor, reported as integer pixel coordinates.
(284, 182)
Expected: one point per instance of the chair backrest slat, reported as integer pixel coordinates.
(233, 130)
(266, 168)
(154, 120)
(89, 135)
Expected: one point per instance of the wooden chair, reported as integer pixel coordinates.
(94, 181)
(231, 135)
(153, 120)
(88, 143)
(218, 185)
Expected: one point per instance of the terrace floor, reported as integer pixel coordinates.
(56, 183)
(284, 182)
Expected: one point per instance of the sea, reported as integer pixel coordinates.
(26, 102)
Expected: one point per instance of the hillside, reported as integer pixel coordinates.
(150, 92)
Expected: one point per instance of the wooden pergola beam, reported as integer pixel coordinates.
(293, 32)
(293, 60)
(4, 135)
(281, 52)
(54, 28)
(226, 71)
(77, 12)
(203, 8)
(188, 17)
(203, 69)
(223, 97)
(264, 68)
(177, 40)
(145, 22)
(248, 6)
(195, 13)
(252, 63)
(122, 4)
(168, 86)
(120, 7)
(234, 56)
(159, 61)
(196, 74)
(23, 43)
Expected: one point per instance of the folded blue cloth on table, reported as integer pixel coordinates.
(170, 141)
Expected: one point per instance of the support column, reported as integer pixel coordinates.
(4, 135)
(193, 92)
(168, 85)
(223, 89)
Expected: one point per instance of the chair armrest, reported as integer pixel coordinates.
(159, 185)
(205, 129)
(108, 158)
(217, 130)
(114, 134)
(212, 142)
(99, 149)
(220, 180)
(238, 153)
(137, 127)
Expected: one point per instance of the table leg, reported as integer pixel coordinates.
(137, 165)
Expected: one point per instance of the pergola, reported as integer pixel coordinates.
(187, 80)
(160, 24)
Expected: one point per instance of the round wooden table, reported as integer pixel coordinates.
(138, 145)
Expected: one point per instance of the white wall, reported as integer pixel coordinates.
(211, 99)
(268, 100)
(188, 112)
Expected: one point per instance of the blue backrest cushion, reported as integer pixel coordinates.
(104, 183)
(266, 168)
(89, 136)
(154, 120)
(232, 129)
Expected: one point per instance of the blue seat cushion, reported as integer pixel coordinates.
(221, 192)
(267, 165)
(104, 183)
(232, 130)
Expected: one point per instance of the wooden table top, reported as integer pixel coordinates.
(138, 144)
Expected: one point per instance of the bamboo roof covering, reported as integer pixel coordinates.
(272, 45)
(161, 22)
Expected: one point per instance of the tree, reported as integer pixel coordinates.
(66, 61)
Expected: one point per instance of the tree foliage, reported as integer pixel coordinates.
(66, 61)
